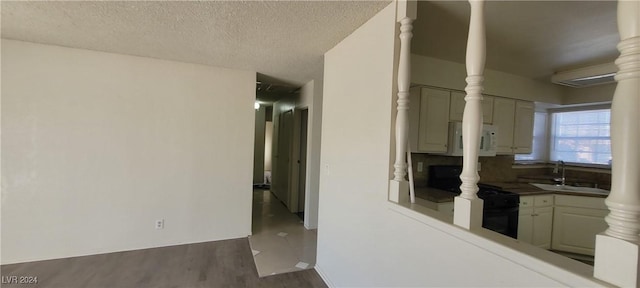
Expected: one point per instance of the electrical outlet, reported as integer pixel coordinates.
(479, 167)
(420, 166)
(160, 224)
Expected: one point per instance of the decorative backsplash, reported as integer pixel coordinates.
(500, 169)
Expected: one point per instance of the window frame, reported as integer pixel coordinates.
(549, 135)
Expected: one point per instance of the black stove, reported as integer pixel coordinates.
(500, 207)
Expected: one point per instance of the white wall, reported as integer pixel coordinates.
(593, 94)
(268, 139)
(441, 73)
(361, 241)
(311, 98)
(259, 145)
(97, 146)
(277, 176)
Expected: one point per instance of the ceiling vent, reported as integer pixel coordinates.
(586, 76)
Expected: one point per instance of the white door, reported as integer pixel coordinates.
(284, 156)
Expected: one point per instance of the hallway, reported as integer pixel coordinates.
(280, 242)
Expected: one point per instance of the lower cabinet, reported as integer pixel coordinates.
(535, 220)
(576, 222)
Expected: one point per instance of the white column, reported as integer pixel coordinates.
(617, 258)
(468, 207)
(399, 187)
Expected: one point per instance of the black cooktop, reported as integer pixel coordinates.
(447, 177)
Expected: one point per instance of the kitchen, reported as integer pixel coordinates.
(563, 218)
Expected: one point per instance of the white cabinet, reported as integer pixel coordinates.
(535, 220)
(429, 109)
(457, 107)
(576, 221)
(514, 120)
(523, 131)
(504, 111)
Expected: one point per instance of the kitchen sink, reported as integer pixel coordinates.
(568, 188)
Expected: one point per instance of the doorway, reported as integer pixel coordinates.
(280, 242)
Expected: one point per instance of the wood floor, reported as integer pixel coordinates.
(227, 263)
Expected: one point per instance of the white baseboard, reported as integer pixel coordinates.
(324, 276)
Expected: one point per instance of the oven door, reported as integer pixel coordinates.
(502, 220)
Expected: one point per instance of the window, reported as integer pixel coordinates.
(539, 146)
(581, 136)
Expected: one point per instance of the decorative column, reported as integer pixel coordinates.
(399, 187)
(468, 207)
(617, 258)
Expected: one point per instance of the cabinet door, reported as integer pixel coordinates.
(523, 132)
(542, 224)
(457, 108)
(414, 117)
(487, 109)
(575, 229)
(503, 116)
(434, 120)
(525, 224)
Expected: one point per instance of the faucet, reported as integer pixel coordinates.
(560, 164)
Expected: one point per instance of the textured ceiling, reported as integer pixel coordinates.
(282, 40)
(528, 38)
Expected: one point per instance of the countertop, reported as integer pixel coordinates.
(522, 189)
(526, 189)
(435, 195)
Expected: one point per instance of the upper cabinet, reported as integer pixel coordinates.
(523, 133)
(514, 119)
(457, 107)
(429, 108)
(504, 111)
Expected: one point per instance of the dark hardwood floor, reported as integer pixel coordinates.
(227, 263)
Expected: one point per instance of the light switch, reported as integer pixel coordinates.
(479, 167)
(420, 166)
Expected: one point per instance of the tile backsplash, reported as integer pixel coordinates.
(500, 169)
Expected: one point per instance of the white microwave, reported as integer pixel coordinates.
(487, 140)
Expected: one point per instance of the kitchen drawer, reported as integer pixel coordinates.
(526, 201)
(543, 200)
